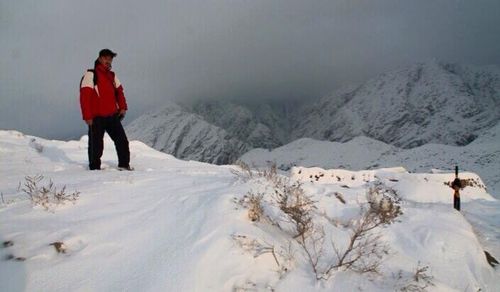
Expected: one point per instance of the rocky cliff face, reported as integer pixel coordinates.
(186, 135)
(261, 125)
(425, 103)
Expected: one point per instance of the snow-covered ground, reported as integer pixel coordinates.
(175, 225)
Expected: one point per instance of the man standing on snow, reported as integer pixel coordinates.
(103, 107)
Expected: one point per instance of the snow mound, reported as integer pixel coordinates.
(417, 187)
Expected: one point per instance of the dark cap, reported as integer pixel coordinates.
(107, 52)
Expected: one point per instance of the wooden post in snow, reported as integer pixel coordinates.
(456, 185)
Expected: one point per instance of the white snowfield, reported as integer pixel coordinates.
(170, 226)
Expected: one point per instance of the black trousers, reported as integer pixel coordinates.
(113, 126)
(456, 202)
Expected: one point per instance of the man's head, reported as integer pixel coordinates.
(106, 57)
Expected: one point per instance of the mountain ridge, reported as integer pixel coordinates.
(428, 102)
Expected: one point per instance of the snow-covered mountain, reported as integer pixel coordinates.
(186, 135)
(426, 103)
(174, 225)
(260, 125)
(481, 156)
(212, 131)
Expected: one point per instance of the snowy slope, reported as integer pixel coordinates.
(185, 135)
(481, 156)
(168, 226)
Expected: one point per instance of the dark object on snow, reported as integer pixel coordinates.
(339, 197)
(491, 260)
(456, 185)
(12, 257)
(8, 243)
(59, 246)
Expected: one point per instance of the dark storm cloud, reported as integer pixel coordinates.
(245, 49)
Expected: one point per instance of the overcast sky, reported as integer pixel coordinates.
(247, 49)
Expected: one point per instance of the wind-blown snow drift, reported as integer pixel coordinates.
(167, 226)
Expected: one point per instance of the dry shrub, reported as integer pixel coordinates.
(282, 257)
(46, 196)
(384, 202)
(297, 207)
(271, 173)
(244, 172)
(365, 249)
(418, 281)
(253, 202)
(296, 215)
(468, 182)
(255, 211)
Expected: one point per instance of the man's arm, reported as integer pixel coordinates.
(86, 92)
(120, 96)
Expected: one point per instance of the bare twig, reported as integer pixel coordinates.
(419, 281)
(255, 247)
(244, 172)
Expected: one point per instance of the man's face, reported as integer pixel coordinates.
(106, 61)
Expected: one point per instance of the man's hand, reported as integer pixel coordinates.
(88, 122)
(121, 114)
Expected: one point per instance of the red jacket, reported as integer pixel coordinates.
(103, 100)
